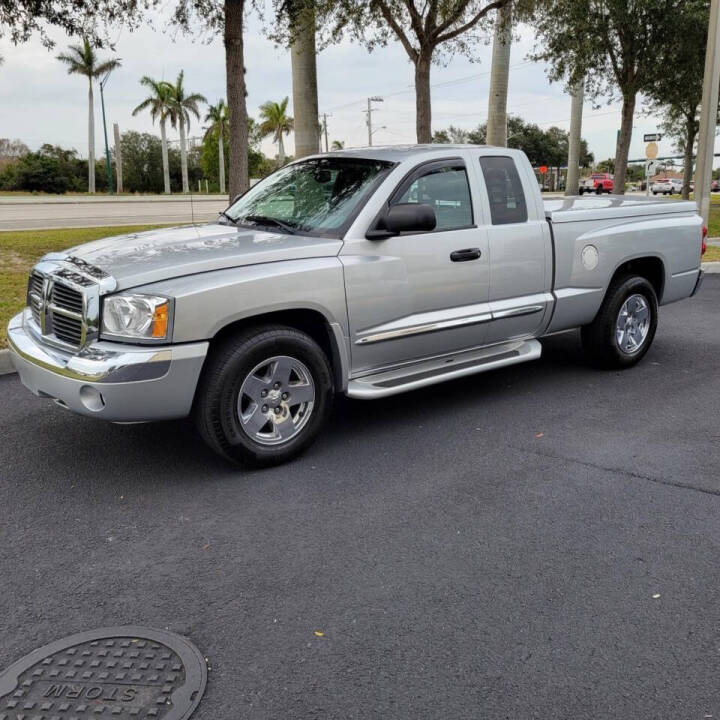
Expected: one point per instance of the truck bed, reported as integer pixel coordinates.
(603, 207)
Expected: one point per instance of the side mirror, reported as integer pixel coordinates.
(405, 217)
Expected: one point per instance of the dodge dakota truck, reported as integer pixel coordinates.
(368, 272)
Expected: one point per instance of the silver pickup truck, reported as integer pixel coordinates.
(369, 272)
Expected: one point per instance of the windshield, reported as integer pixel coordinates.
(316, 197)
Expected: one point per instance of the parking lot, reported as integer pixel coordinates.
(536, 542)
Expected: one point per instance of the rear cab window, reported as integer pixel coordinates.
(504, 189)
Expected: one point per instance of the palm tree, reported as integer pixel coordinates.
(499, 74)
(303, 57)
(275, 122)
(217, 116)
(337, 145)
(159, 104)
(181, 105)
(82, 60)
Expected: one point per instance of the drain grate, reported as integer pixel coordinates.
(123, 673)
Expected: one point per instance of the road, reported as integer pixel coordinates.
(34, 213)
(536, 542)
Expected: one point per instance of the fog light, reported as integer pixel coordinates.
(91, 398)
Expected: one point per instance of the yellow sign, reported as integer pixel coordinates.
(651, 150)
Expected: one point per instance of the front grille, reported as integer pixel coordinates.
(58, 305)
(35, 295)
(67, 329)
(66, 298)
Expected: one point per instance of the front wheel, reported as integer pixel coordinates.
(625, 325)
(264, 395)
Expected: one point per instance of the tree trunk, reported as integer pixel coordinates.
(281, 151)
(304, 83)
(423, 109)
(236, 92)
(499, 75)
(574, 140)
(690, 132)
(221, 161)
(183, 156)
(91, 141)
(623, 146)
(166, 165)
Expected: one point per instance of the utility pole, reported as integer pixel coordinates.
(573, 171)
(708, 114)
(108, 172)
(324, 130)
(370, 101)
(118, 157)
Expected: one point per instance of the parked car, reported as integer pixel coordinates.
(715, 186)
(368, 272)
(597, 183)
(663, 186)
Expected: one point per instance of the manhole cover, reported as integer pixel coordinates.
(121, 672)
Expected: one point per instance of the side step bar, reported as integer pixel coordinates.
(430, 372)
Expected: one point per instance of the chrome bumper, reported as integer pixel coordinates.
(122, 383)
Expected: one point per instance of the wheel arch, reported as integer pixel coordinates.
(328, 335)
(650, 267)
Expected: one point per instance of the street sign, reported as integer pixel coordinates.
(652, 137)
(651, 150)
(543, 169)
(651, 167)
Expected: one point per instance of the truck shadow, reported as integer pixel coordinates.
(173, 453)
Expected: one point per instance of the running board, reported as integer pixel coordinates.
(430, 372)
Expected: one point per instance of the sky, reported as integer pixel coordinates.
(40, 102)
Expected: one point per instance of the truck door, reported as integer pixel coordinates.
(520, 250)
(419, 295)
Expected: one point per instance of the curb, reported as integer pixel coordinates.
(711, 268)
(6, 366)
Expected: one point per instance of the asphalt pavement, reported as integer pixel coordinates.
(536, 542)
(44, 212)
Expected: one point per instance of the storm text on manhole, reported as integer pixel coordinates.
(119, 673)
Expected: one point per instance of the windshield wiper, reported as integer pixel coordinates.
(272, 222)
(232, 220)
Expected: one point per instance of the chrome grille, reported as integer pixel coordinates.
(64, 297)
(67, 329)
(35, 295)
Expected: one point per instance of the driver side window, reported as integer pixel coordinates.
(446, 190)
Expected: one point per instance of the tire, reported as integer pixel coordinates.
(599, 190)
(244, 406)
(581, 191)
(604, 342)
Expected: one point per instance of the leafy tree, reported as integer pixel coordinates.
(181, 106)
(19, 19)
(159, 102)
(677, 94)
(218, 119)
(275, 122)
(337, 145)
(618, 48)
(543, 147)
(11, 151)
(428, 31)
(227, 17)
(82, 60)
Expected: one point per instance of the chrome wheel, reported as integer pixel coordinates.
(276, 400)
(633, 324)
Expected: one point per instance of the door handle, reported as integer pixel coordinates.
(465, 255)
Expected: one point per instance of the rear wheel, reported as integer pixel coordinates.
(625, 325)
(264, 395)
(599, 189)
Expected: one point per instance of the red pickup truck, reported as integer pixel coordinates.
(597, 183)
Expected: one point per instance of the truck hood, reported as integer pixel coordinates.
(141, 258)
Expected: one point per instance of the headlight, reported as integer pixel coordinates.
(132, 316)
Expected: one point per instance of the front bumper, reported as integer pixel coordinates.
(121, 383)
